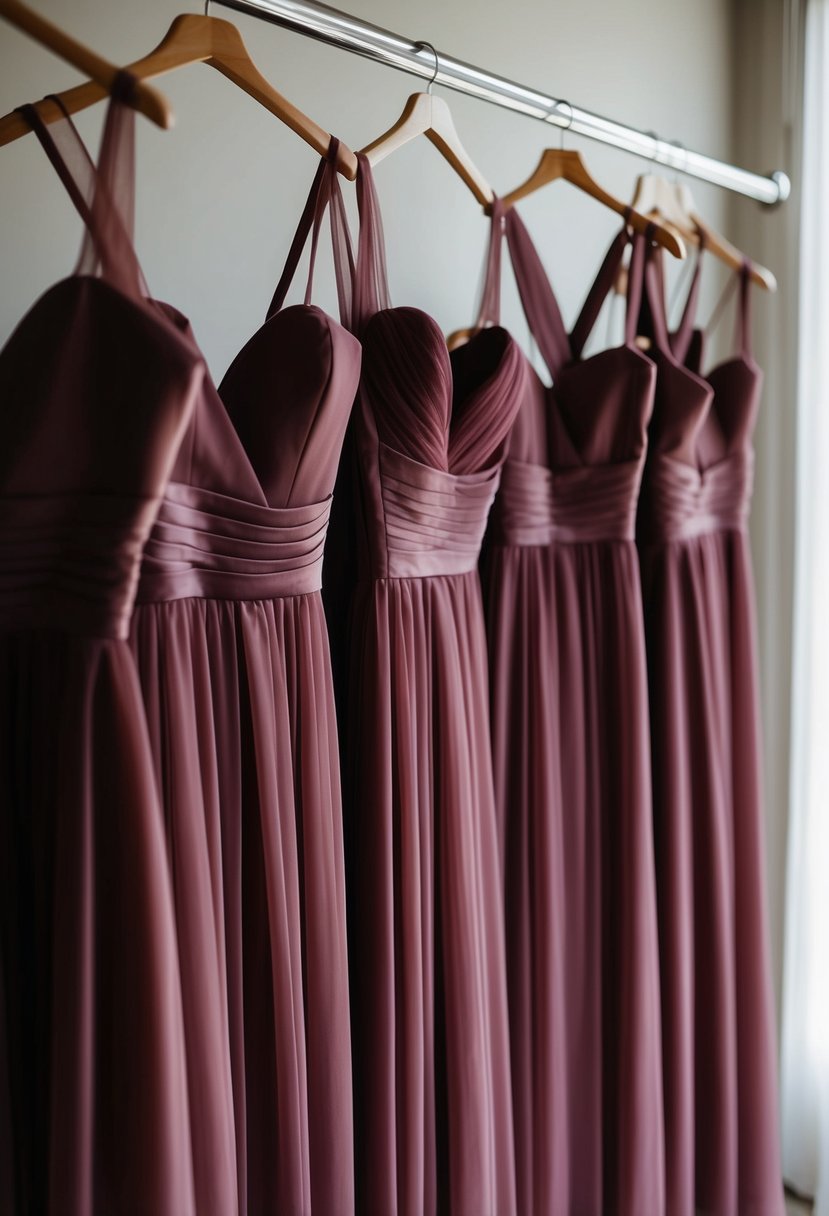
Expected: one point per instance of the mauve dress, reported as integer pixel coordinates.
(96, 390)
(232, 651)
(718, 1017)
(433, 1111)
(569, 708)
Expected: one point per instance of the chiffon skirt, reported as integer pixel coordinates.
(572, 764)
(240, 708)
(433, 1103)
(718, 1014)
(93, 1094)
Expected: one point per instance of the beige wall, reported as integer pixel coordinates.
(218, 197)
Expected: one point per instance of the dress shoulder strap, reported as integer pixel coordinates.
(739, 281)
(371, 286)
(325, 195)
(104, 196)
(537, 297)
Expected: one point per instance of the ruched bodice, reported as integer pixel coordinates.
(577, 447)
(82, 475)
(433, 438)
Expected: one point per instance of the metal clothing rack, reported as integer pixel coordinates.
(340, 29)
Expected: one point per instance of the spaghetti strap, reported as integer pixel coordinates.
(103, 195)
(682, 337)
(539, 302)
(744, 311)
(602, 285)
(489, 312)
(371, 285)
(742, 279)
(655, 299)
(325, 194)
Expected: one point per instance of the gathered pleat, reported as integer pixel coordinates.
(239, 699)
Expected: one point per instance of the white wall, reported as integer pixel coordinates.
(218, 196)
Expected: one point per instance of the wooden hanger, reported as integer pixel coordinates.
(673, 202)
(194, 38)
(146, 100)
(426, 115)
(566, 164)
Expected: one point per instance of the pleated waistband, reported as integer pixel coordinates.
(588, 503)
(71, 562)
(679, 502)
(211, 546)
(434, 521)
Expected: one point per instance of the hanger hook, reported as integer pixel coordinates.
(422, 46)
(563, 102)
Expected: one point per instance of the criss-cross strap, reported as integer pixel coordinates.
(599, 291)
(537, 298)
(371, 285)
(325, 195)
(681, 338)
(653, 312)
(489, 310)
(742, 336)
(104, 194)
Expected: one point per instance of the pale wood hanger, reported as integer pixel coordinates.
(196, 38)
(426, 115)
(673, 202)
(147, 100)
(566, 164)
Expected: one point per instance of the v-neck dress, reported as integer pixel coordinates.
(569, 709)
(720, 1077)
(231, 645)
(433, 1108)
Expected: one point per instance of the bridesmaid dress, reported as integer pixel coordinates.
(571, 754)
(719, 1039)
(96, 390)
(432, 1085)
(232, 651)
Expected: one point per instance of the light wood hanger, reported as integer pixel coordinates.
(426, 115)
(566, 164)
(147, 100)
(194, 38)
(674, 203)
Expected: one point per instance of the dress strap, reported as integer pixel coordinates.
(654, 300)
(681, 339)
(489, 312)
(537, 298)
(104, 196)
(371, 285)
(601, 288)
(742, 279)
(325, 195)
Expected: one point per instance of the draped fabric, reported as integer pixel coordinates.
(570, 747)
(231, 647)
(97, 389)
(518, 965)
(432, 1085)
(719, 1060)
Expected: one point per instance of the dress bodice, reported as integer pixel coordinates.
(97, 387)
(432, 426)
(246, 511)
